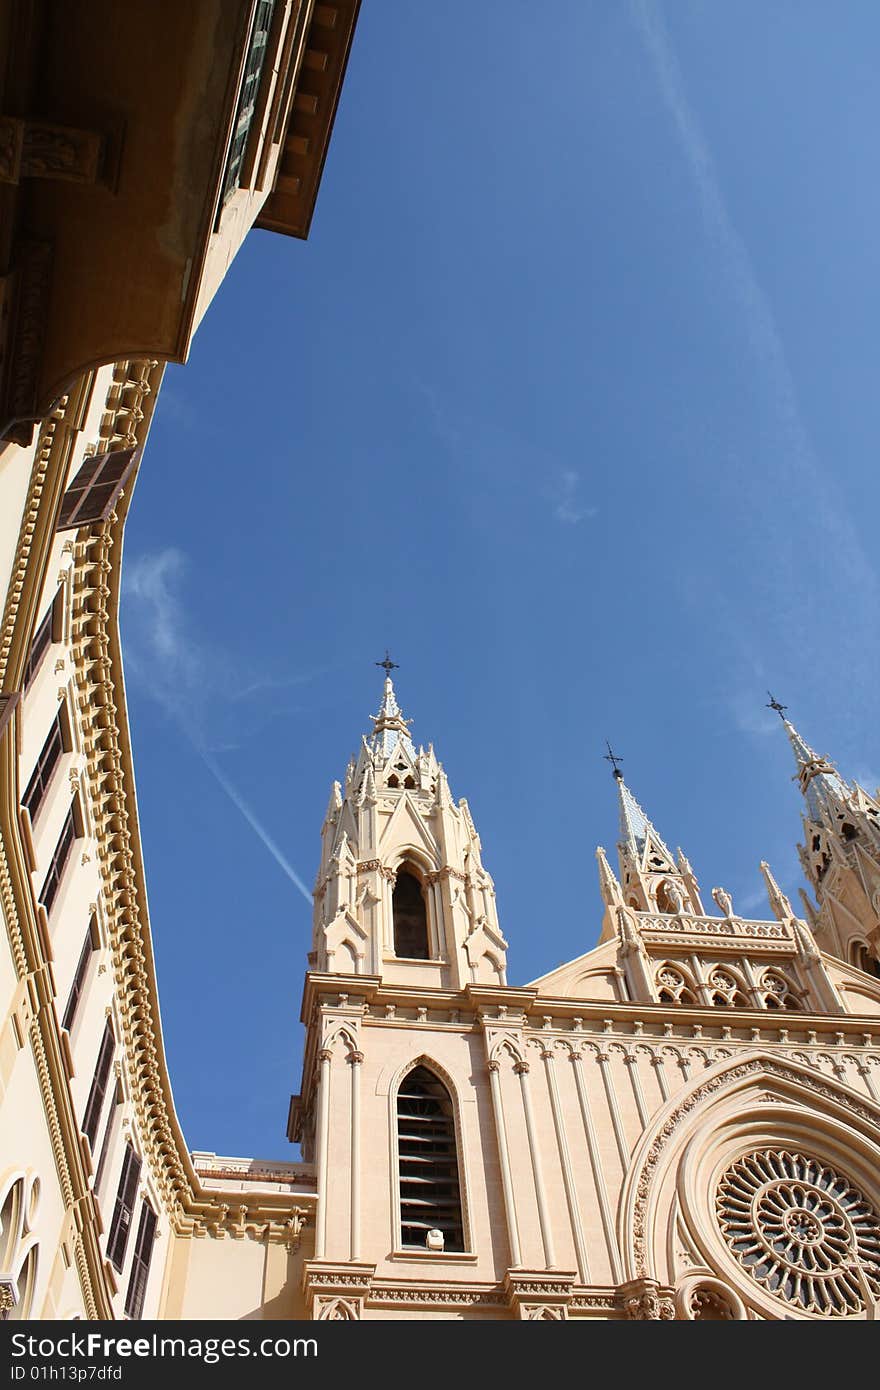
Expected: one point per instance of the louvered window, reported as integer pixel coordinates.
(52, 881)
(247, 101)
(79, 979)
(40, 645)
(96, 487)
(140, 1264)
(429, 1189)
(50, 756)
(95, 1102)
(117, 1241)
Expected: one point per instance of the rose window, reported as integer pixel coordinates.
(801, 1230)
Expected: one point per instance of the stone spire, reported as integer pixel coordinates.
(822, 786)
(840, 855)
(390, 729)
(651, 879)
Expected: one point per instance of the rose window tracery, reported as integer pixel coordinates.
(801, 1230)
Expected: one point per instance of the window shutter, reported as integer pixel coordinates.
(52, 881)
(50, 755)
(120, 1227)
(95, 1102)
(40, 645)
(97, 485)
(79, 980)
(140, 1264)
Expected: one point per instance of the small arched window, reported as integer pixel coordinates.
(410, 917)
(430, 1199)
(672, 987)
(862, 959)
(778, 993)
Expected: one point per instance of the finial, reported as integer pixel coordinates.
(774, 704)
(388, 664)
(612, 758)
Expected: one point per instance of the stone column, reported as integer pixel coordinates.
(522, 1071)
(567, 1171)
(355, 1059)
(504, 1158)
(325, 1057)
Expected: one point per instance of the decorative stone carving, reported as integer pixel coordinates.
(645, 1300)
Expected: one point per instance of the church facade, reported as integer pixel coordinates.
(683, 1123)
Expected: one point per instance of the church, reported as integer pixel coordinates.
(681, 1124)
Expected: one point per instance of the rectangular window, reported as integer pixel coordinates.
(56, 744)
(40, 645)
(95, 489)
(95, 1102)
(117, 1241)
(244, 115)
(108, 1136)
(79, 979)
(140, 1264)
(52, 882)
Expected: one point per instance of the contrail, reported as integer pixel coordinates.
(261, 834)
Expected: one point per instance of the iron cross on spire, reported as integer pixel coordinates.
(388, 664)
(774, 704)
(612, 758)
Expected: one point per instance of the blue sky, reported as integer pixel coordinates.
(570, 400)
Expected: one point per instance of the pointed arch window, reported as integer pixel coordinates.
(673, 987)
(778, 992)
(430, 1196)
(726, 991)
(409, 914)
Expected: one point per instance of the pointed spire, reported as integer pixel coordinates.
(608, 884)
(780, 904)
(635, 828)
(820, 782)
(390, 729)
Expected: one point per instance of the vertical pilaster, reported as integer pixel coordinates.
(355, 1059)
(522, 1071)
(325, 1057)
(596, 1165)
(567, 1171)
(504, 1159)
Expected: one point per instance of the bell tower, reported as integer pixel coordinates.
(401, 891)
(840, 856)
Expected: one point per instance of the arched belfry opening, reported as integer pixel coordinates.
(410, 916)
(430, 1197)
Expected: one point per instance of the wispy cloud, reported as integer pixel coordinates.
(567, 507)
(800, 535)
(186, 676)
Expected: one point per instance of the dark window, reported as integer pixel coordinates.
(244, 115)
(140, 1264)
(79, 979)
(108, 1136)
(50, 756)
(410, 918)
(429, 1191)
(40, 645)
(97, 485)
(117, 1241)
(95, 1102)
(52, 882)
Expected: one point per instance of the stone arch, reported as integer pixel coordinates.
(437, 1069)
(19, 1243)
(757, 1100)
